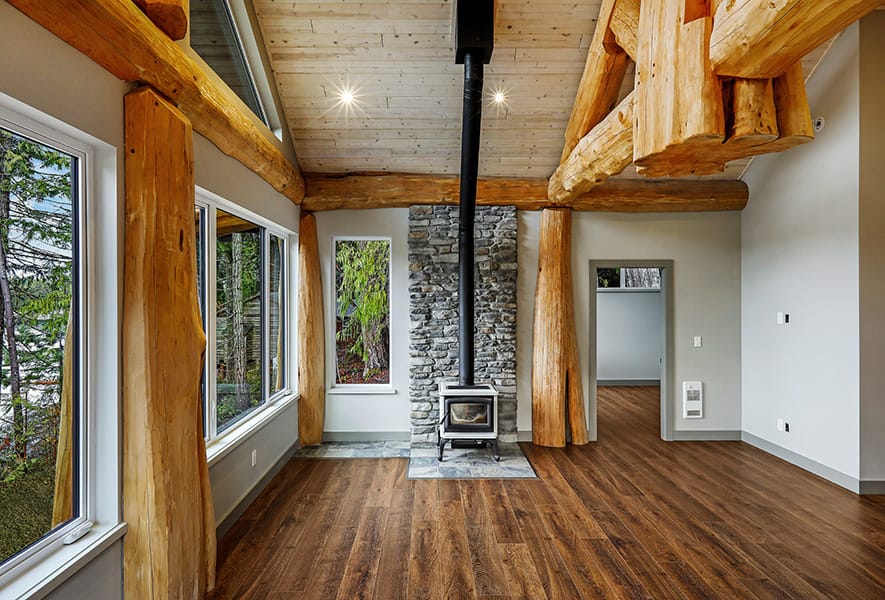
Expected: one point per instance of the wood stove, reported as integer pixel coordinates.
(468, 414)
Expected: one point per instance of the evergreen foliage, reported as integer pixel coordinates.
(36, 301)
(362, 270)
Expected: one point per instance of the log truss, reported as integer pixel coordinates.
(707, 90)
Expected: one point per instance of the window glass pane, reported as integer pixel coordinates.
(275, 303)
(213, 36)
(200, 227)
(39, 362)
(608, 278)
(362, 311)
(642, 278)
(238, 322)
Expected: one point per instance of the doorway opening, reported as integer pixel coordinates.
(631, 332)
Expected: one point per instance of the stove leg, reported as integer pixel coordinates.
(442, 446)
(496, 454)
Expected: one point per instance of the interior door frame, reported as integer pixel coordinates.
(668, 394)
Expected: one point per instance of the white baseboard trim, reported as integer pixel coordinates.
(366, 436)
(812, 466)
(707, 435)
(524, 436)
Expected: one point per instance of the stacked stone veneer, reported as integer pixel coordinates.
(433, 310)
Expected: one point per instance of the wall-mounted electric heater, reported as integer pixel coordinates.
(692, 400)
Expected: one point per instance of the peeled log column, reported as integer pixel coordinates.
(169, 551)
(556, 371)
(311, 348)
(63, 497)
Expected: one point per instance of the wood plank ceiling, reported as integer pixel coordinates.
(398, 58)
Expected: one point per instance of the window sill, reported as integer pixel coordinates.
(366, 390)
(58, 566)
(230, 439)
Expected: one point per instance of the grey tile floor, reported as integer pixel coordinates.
(474, 463)
(357, 450)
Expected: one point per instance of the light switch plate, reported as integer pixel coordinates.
(698, 341)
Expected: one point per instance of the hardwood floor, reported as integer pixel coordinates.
(629, 516)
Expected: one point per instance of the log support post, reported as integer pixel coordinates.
(169, 550)
(311, 347)
(557, 392)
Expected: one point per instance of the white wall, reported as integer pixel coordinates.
(629, 335)
(800, 255)
(705, 248)
(380, 415)
(872, 247)
(47, 74)
(101, 578)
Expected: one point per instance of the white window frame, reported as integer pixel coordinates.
(218, 444)
(332, 386)
(49, 562)
(624, 288)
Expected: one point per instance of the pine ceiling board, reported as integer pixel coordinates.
(399, 56)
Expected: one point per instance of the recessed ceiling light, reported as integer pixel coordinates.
(347, 100)
(497, 98)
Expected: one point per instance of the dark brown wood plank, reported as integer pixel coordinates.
(392, 581)
(629, 516)
(485, 557)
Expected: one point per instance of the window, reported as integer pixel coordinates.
(628, 277)
(59, 261)
(243, 286)
(39, 329)
(362, 311)
(215, 37)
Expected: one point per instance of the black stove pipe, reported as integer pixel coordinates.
(470, 130)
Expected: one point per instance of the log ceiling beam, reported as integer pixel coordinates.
(624, 25)
(603, 75)
(397, 190)
(169, 15)
(762, 39)
(604, 152)
(679, 118)
(123, 40)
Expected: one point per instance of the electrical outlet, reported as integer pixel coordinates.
(254, 458)
(780, 424)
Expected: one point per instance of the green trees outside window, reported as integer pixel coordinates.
(239, 282)
(242, 283)
(362, 311)
(38, 332)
